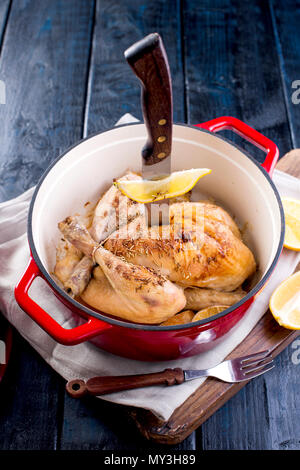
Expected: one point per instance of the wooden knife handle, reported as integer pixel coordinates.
(110, 384)
(149, 61)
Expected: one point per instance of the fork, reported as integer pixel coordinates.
(235, 370)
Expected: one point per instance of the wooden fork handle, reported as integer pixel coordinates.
(110, 384)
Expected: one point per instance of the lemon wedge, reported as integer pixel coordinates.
(291, 209)
(285, 303)
(209, 312)
(177, 184)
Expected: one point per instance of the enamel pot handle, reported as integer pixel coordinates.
(79, 334)
(250, 134)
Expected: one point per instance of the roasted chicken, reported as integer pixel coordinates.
(67, 258)
(201, 247)
(149, 274)
(135, 293)
(112, 211)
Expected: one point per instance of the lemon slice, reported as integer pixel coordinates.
(285, 303)
(177, 184)
(180, 318)
(292, 223)
(209, 312)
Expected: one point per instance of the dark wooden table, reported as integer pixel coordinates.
(65, 77)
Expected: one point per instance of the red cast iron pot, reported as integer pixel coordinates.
(81, 174)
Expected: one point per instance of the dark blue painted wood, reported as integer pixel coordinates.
(233, 68)
(93, 424)
(286, 23)
(31, 397)
(44, 63)
(4, 15)
(263, 415)
(226, 57)
(113, 88)
(282, 397)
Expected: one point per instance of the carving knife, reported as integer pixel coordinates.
(149, 61)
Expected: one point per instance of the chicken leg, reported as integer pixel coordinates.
(112, 211)
(135, 293)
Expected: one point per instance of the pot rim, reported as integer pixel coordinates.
(139, 326)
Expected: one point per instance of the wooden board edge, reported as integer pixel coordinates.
(197, 407)
(213, 392)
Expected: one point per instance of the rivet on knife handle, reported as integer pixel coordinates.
(110, 384)
(149, 61)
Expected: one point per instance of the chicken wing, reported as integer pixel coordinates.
(79, 277)
(67, 257)
(112, 211)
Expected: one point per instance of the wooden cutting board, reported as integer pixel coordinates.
(212, 394)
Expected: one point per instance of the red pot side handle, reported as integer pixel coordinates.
(250, 134)
(79, 334)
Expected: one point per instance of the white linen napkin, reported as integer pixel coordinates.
(86, 360)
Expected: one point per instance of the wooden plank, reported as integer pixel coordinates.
(4, 13)
(281, 390)
(44, 63)
(210, 396)
(5, 345)
(29, 401)
(280, 427)
(113, 88)
(93, 424)
(113, 91)
(232, 68)
(44, 68)
(286, 20)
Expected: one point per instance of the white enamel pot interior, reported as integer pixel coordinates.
(85, 171)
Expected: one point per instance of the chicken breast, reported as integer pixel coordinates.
(201, 247)
(114, 210)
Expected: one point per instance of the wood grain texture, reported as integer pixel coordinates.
(226, 57)
(286, 20)
(92, 424)
(44, 68)
(210, 396)
(31, 396)
(113, 89)
(44, 63)
(4, 14)
(213, 394)
(110, 384)
(232, 68)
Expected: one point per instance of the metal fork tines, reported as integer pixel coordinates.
(236, 370)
